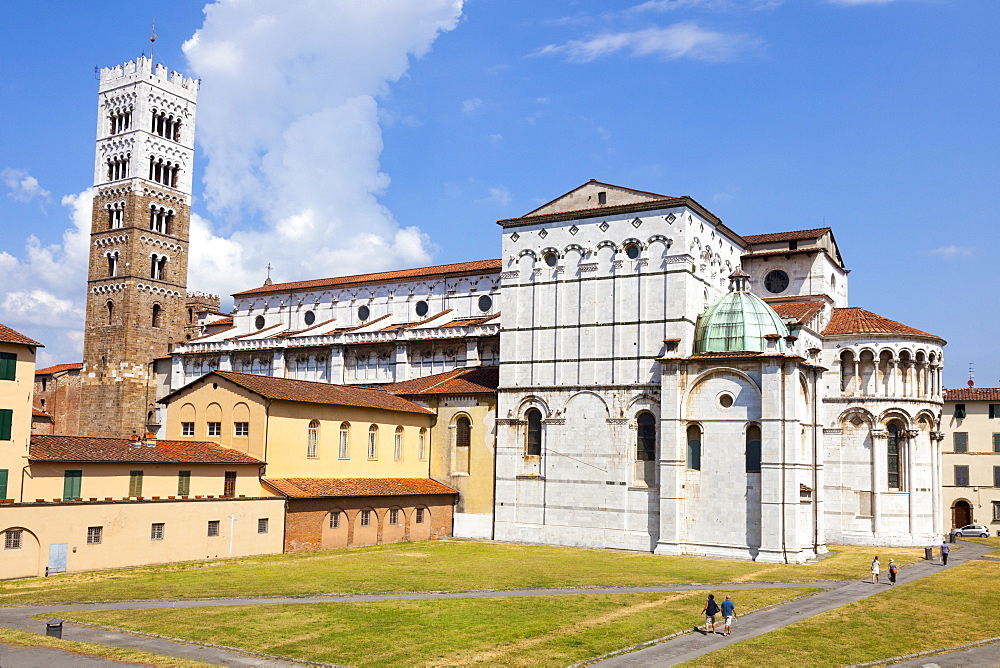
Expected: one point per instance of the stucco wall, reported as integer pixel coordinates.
(126, 538)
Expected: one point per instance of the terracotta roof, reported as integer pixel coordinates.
(408, 325)
(228, 320)
(318, 487)
(38, 412)
(471, 322)
(286, 389)
(94, 449)
(856, 320)
(785, 236)
(476, 267)
(474, 380)
(973, 394)
(797, 312)
(57, 368)
(8, 335)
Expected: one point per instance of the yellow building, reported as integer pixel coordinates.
(352, 462)
(88, 503)
(463, 439)
(970, 456)
(17, 378)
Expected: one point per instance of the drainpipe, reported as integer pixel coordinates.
(784, 462)
(267, 426)
(496, 430)
(815, 428)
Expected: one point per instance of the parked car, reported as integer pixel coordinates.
(977, 530)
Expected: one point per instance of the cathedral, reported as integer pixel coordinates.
(629, 373)
(665, 384)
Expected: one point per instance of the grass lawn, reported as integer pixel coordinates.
(25, 639)
(440, 565)
(941, 610)
(516, 631)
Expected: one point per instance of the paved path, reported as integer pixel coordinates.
(43, 657)
(987, 655)
(674, 651)
(695, 644)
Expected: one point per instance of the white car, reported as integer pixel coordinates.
(977, 530)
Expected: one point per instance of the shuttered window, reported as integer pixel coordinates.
(6, 422)
(135, 483)
(71, 485)
(8, 366)
(183, 483)
(961, 476)
(3, 483)
(961, 441)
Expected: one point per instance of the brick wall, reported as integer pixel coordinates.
(307, 521)
(61, 400)
(118, 384)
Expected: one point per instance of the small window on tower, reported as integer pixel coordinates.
(156, 315)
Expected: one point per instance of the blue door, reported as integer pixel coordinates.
(57, 557)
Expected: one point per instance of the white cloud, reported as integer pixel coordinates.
(43, 287)
(681, 40)
(21, 186)
(495, 137)
(952, 251)
(470, 105)
(860, 2)
(498, 194)
(290, 125)
(662, 6)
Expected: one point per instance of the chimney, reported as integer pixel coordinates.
(149, 439)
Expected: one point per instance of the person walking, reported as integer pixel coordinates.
(945, 549)
(893, 569)
(728, 612)
(710, 611)
(876, 566)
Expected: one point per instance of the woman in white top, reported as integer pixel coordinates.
(875, 570)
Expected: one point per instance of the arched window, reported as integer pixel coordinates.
(373, 442)
(533, 435)
(422, 444)
(312, 445)
(694, 447)
(111, 310)
(753, 449)
(645, 446)
(113, 264)
(345, 439)
(463, 432)
(397, 449)
(157, 311)
(893, 456)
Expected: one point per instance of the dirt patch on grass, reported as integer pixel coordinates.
(495, 656)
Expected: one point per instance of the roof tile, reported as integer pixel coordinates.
(856, 320)
(8, 335)
(973, 394)
(58, 368)
(286, 389)
(798, 313)
(478, 266)
(95, 449)
(472, 380)
(785, 236)
(323, 487)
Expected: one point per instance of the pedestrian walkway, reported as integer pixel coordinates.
(674, 651)
(692, 645)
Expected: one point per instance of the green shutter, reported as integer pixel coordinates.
(71, 485)
(994, 411)
(3, 483)
(6, 421)
(183, 483)
(996, 442)
(8, 366)
(135, 483)
(961, 441)
(959, 410)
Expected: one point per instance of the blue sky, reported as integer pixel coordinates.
(343, 137)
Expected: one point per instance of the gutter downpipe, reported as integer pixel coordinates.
(496, 431)
(815, 430)
(784, 496)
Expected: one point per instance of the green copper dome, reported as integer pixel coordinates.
(737, 322)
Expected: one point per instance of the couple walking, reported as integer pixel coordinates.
(877, 568)
(728, 609)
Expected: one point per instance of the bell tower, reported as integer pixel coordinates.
(137, 276)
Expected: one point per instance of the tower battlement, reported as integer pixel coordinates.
(143, 69)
